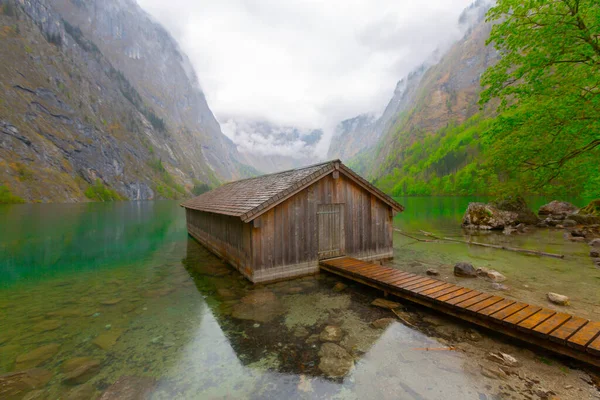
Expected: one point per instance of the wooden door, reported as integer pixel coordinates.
(330, 228)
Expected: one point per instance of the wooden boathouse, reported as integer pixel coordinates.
(281, 225)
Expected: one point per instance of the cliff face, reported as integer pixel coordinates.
(442, 90)
(95, 97)
(447, 93)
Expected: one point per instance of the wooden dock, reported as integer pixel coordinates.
(559, 332)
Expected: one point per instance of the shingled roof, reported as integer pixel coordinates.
(249, 198)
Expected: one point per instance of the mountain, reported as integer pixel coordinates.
(429, 132)
(97, 101)
(270, 147)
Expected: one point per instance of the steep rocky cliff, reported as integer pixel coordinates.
(444, 89)
(97, 101)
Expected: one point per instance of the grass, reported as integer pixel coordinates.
(6, 197)
(99, 192)
(169, 189)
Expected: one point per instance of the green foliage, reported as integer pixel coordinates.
(6, 197)
(457, 160)
(199, 188)
(99, 192)
(168, 187)
(547, 83)
(591, 209)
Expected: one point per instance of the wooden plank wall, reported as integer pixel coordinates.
(226, 236)
(285, 241)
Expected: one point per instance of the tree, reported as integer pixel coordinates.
(548, 85)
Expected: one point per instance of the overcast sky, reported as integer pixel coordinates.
(308, 63)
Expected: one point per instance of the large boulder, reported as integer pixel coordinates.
(557, 208)
(485, 216)
(516, 203)
(465, 269)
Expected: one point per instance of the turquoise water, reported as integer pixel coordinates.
(100, 296)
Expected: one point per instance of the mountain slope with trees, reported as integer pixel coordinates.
(534, 130)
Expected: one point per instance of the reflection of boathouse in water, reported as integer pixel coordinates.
(280, 225)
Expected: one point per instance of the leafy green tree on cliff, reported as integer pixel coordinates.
(548, 85)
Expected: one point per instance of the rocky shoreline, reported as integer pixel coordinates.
(511, 214)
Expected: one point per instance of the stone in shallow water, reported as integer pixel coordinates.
(335, 361)
(465, 269)
(79, 370)
(48, 325)
(259, 297)
(432, 272)
(37, 356)
(82, 392)
(16, 384)
(559, 299)
(331, 334)
(111, 302)
(107, 340)
(130, 388)
(339, 287)
(382, 323)
(258, 313)
(383, 303)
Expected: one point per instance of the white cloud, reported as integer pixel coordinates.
(305, 63)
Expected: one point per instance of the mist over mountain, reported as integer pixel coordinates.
(269, 147)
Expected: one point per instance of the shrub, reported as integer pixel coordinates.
(99, 192)
(6, 197)
(199, 188)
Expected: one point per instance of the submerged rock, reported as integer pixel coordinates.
(107, 340)
(382, 323)
(595, 243)
(559, 299)
(485, 216)
(465, 269)
(432, 272)
(383, 303)
(258, 313)
(339, 287)
(111, 302)
(79, 370)
(130, 388)
(555, 208)
(16, 385)
(48, 325)
(37, 357)
(331, 334)
(82, 392)
(259, 297)
(335, 361)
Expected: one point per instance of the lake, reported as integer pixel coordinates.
(100, 298)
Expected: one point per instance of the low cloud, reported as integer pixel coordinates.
(303, 63)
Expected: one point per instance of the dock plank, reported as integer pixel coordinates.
(568, 329)
(487, 304)
(556, 331)
(585, 335)
(536, 319)
(552, 323)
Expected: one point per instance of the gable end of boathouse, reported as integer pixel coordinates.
(281, 225)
